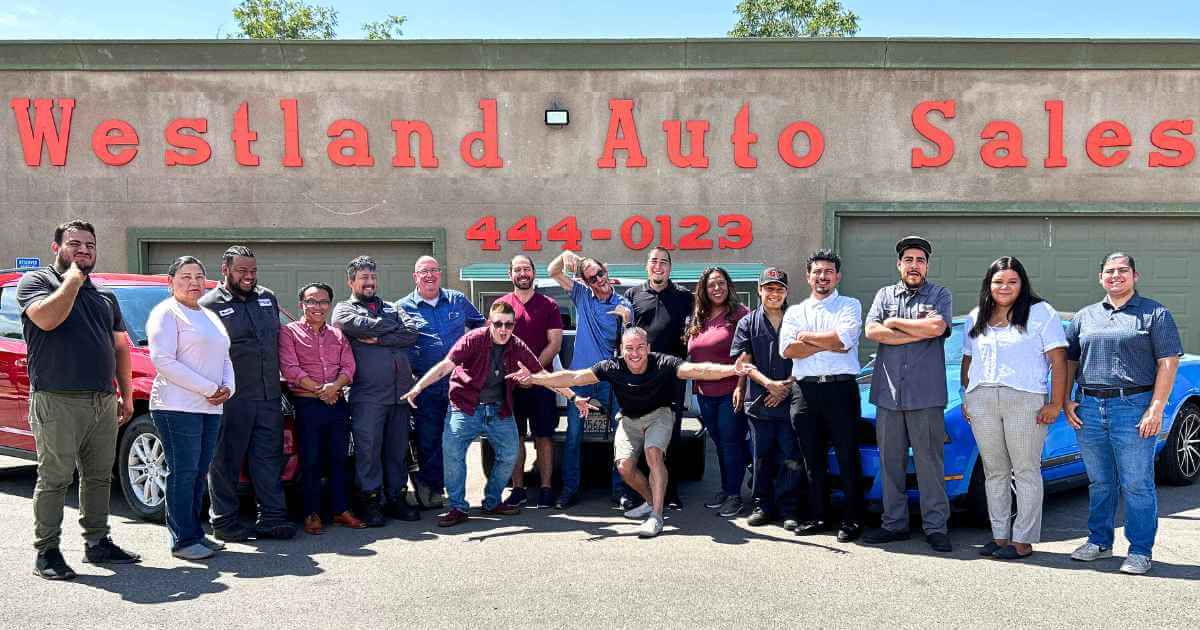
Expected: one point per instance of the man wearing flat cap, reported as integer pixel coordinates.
(910, 320)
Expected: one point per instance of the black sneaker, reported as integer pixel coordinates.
(50, 565)
(625, 503)
(939, 541)
(107, 552)
(564, 500)
(399, 509)
(717, 500)
(808, 528)
(883, 535)
(545, 498)
(373, 511)
(759, 517)
(731, 506)
(278, 531)
(517, 497)
(234, 533)
(849, 531)
(673, 501)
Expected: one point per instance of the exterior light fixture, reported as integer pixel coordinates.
(557, 117)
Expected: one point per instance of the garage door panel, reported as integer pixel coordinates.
(1061, 254)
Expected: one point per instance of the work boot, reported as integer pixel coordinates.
(373, 511)
(398, 508)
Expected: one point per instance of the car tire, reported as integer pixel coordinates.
(1179, 461)
(142, 469)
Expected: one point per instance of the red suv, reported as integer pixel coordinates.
(140, 466)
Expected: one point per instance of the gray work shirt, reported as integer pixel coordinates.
(1120, 347)
(252, 322)
(382, 370)
(78, 355)
(911, 376)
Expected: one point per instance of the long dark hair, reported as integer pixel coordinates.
(702, 306)
(1018, 315)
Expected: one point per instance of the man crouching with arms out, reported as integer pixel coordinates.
(645, 384)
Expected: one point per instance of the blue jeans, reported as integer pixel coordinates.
(461, 430)
(189, 440)
(728, 431)
(602, 392)
(1119, 463)
(323, 438)
(429, 420)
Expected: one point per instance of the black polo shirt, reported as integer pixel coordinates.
(662, 314)
(757, 337)
(79, 354)
(253, 326)
(639, 394)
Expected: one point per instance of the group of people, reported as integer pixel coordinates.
(784, 375)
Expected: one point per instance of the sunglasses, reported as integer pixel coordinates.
(595, 278)
(503, 325)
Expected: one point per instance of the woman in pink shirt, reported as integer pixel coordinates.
(709, 335)
(317, 362)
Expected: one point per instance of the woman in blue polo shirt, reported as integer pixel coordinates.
(1127, 349)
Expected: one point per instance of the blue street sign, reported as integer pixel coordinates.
(29, 262)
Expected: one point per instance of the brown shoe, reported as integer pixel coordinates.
(312, 525)
(347, 519)
(501, 509)
(453, 517)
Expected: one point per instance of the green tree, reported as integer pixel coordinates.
(284, 19)
(793, 18)
(388, 28)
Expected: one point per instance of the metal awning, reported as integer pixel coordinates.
(682, 272)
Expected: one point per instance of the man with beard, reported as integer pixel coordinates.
(441, 317)
(252, 421)
(820, 335)
(911, 320)
(380, 335)
(661, 308)
(600, 315)
(539, 325)
(77, 347)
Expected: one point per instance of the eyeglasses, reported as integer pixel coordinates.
(599, 274)
(314, 303)
(503, 325)
(428, 272)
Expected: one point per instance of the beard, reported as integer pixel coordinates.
(63, 262)
(236, 287)
(910, 283)
(523, 283)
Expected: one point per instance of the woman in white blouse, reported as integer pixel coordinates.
(1014, 356)
(190, 351)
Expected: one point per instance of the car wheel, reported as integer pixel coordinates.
(142, 469)
(1179, 462)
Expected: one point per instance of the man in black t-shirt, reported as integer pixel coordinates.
(645, 384)
(77, 347)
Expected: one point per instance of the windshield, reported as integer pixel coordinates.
(136, 303)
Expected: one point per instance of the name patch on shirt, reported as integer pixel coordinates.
(225, 312)
(389, 309)
(454, 314)
(264, 301)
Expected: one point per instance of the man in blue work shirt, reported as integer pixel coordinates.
(441, 316)
(600, 315)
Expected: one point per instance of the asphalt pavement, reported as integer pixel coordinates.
(587, 568)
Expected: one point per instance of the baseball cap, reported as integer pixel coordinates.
(909, 242)
(773, 274)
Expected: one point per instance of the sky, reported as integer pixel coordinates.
(521, 19)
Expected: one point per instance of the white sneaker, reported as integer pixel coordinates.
(651, 527)
(640, 512)
(193, 552)
(1136, 564)
(1090, 551)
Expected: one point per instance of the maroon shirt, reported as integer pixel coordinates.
(534, 318)
(472, 358)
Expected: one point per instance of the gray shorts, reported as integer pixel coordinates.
(636, 434)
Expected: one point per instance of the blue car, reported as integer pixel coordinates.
(1178, 448)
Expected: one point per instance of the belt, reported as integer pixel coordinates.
(1113, 393)
(829, 378)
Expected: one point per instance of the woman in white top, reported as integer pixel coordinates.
(1014, 355)
(190, 351)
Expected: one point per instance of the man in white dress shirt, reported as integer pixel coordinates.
(820, 335)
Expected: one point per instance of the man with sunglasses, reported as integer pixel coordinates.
(481, 403)
(441, 316)
(600, 315)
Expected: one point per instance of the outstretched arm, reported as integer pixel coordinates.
(435, 373)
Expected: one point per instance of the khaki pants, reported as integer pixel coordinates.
(72, 429)
(1004, 421)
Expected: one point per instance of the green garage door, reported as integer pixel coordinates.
(286, 266)
(1061, 254)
